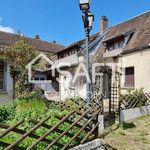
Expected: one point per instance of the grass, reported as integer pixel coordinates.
(133, 135)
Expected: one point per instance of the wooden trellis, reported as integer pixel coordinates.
(83, 121)
(115, 93)
(134, 100)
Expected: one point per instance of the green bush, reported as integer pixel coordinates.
(35, 94)
(7, 112)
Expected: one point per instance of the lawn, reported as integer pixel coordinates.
(133, 135)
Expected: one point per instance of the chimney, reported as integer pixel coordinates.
(37, 37)
(19, 32)
(103, 24)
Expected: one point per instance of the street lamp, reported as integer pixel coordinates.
(88, 19)
(84, 5)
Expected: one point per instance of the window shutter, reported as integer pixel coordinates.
(129, 77)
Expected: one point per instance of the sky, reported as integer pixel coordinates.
(60, 20)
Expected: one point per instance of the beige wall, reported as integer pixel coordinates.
(67, 90)
(6, 96)
(141, 62)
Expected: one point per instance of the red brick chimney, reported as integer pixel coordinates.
(103, 24)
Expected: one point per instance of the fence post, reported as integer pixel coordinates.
(101, 124)
(101, 119)
(119, 96)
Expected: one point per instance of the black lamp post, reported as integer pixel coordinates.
(88, 19)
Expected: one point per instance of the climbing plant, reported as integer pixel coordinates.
(18, 56)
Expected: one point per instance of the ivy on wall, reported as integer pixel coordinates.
(18, 56)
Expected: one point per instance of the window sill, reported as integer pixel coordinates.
(128, 88)
(113, 53)
(3, 92)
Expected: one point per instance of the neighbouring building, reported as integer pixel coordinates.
(6, 81)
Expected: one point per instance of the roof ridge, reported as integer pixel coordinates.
(15, 34)
(83, 39)
(141, 14)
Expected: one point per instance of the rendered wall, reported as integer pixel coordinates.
(141, 62)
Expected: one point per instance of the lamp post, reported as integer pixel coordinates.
(88, 19)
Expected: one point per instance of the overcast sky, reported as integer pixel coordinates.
(60, 20)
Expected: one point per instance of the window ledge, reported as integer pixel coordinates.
(3, 92)
(131, 88)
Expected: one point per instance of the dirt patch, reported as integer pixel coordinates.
(133, 135)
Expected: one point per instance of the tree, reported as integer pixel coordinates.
(18, 56)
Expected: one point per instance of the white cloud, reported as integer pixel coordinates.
(6, 29)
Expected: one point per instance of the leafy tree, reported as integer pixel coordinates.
(18, 56)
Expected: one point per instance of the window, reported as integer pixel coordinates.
(39, 77)
(1, 75)
(129, 77)
(116, 44)
(67, 53)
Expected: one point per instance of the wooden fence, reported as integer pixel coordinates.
(81, 126)
(131, 100)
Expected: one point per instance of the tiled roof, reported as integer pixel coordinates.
(7, 39)
(141, 27)
(80, 42)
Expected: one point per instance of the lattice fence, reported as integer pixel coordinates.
(130, 100)
(76, 127)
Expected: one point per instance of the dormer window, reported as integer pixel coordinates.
(118, 43)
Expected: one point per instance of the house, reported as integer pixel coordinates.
(127, 45)
(6, 81)
(73, 54)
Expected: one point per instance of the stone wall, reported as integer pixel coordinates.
(93, 145)
(128, 114)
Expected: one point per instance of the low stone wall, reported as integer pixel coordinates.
(130, 114)
(93, 145)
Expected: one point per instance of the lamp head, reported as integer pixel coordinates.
(84, 5)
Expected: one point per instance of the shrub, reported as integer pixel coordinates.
(7, 112)
(35, 94)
